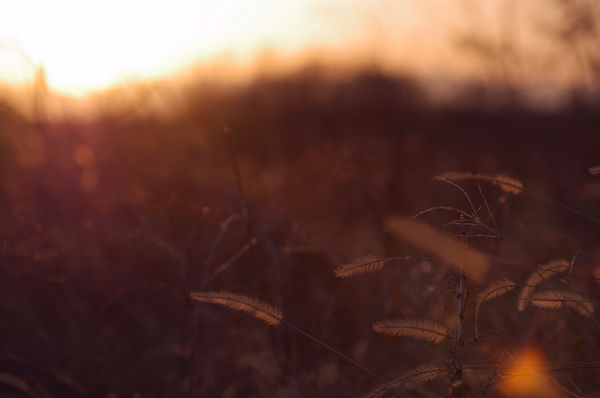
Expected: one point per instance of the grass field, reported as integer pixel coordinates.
(108, 225)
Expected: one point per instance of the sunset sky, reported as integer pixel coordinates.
(87, 46)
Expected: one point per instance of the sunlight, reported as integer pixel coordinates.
(88, 45)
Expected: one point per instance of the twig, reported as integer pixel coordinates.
(461, 316)
(215, 245)
(243, 250)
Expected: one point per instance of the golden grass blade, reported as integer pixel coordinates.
(507, 184)
(360, 266)
(576, 301)
(450, 250)
(496, 289)
(556, 299)
(546, 299)
(546, 271)
(415, 377)
(417, 328)
(266, 312)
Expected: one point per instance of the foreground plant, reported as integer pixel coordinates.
(451, 249)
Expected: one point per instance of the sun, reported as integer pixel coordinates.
(85, 45)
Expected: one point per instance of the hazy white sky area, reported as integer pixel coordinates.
(91, 45)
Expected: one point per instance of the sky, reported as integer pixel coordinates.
(86, 46)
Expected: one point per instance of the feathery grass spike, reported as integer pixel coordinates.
(419, 329)
(546, 299)
(473, 263)
(360, 266)
(415, 377)
(496, 289)
(576, 301)
(545, 271)
(266, 312)
(555, 299)
(507, 184)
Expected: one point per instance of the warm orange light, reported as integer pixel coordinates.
(527, 377)
(87, 45)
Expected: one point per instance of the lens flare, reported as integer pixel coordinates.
(527, 377)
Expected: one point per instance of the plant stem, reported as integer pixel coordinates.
(461, 315)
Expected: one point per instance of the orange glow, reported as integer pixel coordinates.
(527, 378)
(87, 46)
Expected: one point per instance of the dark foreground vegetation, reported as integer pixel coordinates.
(107, 226)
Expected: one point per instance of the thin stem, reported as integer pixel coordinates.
(243, 250)
(553, 201)
(330, 348)
(222, 230)
(461, 316)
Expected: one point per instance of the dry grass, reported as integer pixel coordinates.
(419, 329)
(109, 225)
(544, 272)
(507, 184)
(259, 309)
